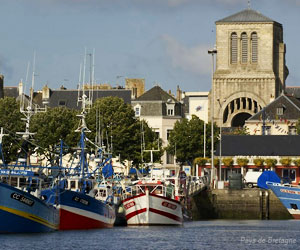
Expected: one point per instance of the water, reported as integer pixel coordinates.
(217, 234)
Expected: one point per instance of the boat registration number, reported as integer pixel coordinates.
(22, 199)
(129, 205)
(169, 205)
(80, 200)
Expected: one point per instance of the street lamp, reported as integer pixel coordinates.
(220, 162)
(212, 52)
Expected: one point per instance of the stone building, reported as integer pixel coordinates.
(136, 85)
(250, 66)
(161, 110)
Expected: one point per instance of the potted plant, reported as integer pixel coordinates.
(228, 162)
(259, 162)
(270, 162)
(201, 161)
(285, 161)
(216, 161)
(242, 162)
(297, 162)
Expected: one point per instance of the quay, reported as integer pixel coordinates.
(244, 204)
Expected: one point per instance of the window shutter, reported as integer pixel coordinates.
(244, 48)
(233, 48)
(254, 47)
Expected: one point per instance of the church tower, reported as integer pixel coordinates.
(250, 66)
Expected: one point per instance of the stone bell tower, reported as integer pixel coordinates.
(250, 66)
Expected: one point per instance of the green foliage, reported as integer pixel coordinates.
(228, 162)
(120, 131)
(259, 162)
(53, 125)
(297, 162)
(242, 162)
(285, 161)
(187, 139)
(11, 122)
(201, 161)
(270, 162)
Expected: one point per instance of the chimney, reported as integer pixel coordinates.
(1, 86)
(45, 95)
(20, 88)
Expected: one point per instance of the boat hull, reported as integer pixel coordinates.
(289, 197)
(21, 212)
(79, 211)
(151, 209)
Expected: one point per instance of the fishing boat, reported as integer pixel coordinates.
(289, 196)
(22, 210)
(80, 206)
(152, 202)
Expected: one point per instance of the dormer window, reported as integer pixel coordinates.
(61, 103)
(279, 111)
(170, 109)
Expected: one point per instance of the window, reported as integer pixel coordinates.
(170, 158)
(289, 174)
(168, 133)
(233, 48)
(244, 48)
(61, 103)
(268, 130)
(279, 111)
(254, 47)
(292, 130)
(170, 111)
(137, 111)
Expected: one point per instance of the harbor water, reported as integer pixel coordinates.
(215, 234)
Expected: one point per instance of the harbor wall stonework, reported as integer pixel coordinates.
(245, 204)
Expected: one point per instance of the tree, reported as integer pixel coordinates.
(187, 139)
(53, 125)
(120, 132)
(11, 122)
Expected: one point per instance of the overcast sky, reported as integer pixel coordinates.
(163, 41)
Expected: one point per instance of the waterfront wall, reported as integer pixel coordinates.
(237, 204)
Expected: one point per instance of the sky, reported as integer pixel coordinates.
(163, 41)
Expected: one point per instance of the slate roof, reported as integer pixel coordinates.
(156, 94)
(70, 96)
(290, 105)
(247, 15)
(293, 91)
(11, 91)
(260, 145)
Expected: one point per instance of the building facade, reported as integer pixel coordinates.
(161, 110)
(250, 66)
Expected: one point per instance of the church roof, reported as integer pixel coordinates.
(247, 15)
(156, 94)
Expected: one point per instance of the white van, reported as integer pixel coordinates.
(251, 178)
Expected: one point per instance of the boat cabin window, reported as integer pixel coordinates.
(73, 184)
(23, 182)
(102, 193)
(14, 181)
(294, 206)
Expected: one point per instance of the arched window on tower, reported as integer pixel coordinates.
(244, 48)
(234, 48)
(254, 47)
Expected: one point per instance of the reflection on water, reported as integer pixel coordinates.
(216, 234)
